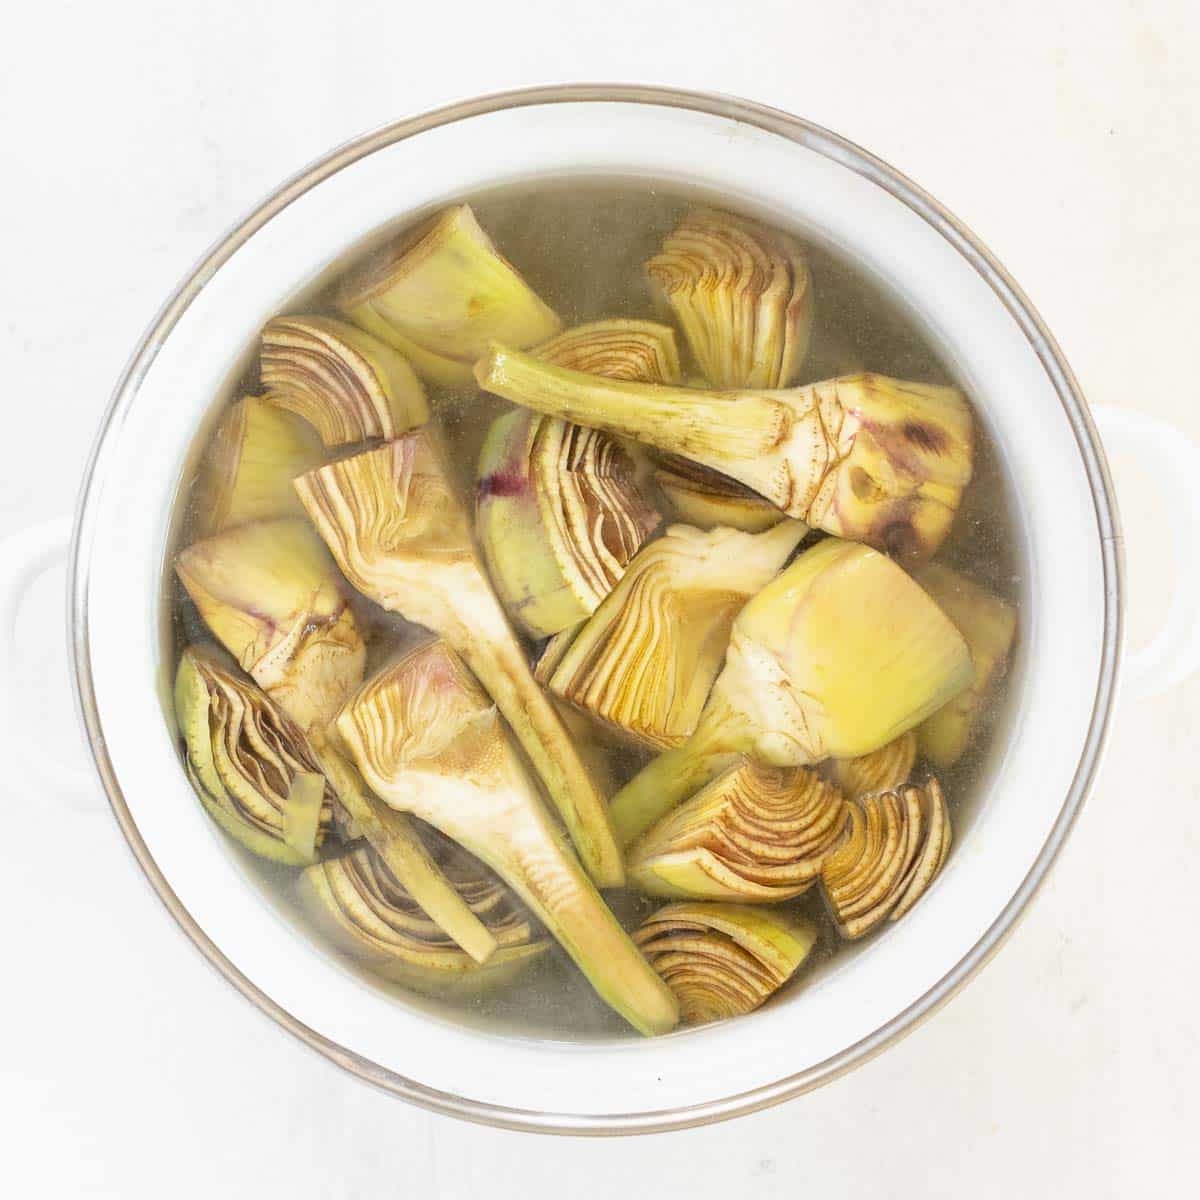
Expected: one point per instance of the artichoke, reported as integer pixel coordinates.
(742, 294)
(377, 922)
(706, 498)
(251, 766)
(273, 598)
(724, 960)
(398, 533)
(618, 348)
(755, 834)
(864, 457)
(989, 625)
(894, 845)
(248, 468)
(888, 767)
(439, 293)
(349, 385)
(645, 661)
(835, 657)
(429, 741)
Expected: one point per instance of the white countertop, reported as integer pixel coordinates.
(1064, 132)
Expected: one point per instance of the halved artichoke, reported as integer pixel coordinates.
(864, 457)
(376, 921)
(742, 294)
(272, 596)
(895, 844)
(835, 657)
(888, 767)
(724, 960)
(706, 498)
(251, 766)
(429, 741)
(349, 385)
(754, 835)
(247, 471)
(646, 659)
(617, 348)
(398, 532)
(440, 292)
(989, 625)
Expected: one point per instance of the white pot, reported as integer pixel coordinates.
(1062, 685)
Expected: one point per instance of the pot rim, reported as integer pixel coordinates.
(840, 150)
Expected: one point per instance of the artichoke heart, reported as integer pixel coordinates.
(894, 845)
(377, 922)
(273, 598)
(888, 767)
(864, 457)
(706, 498)
(724, 960)
(429, 741)
(742, 294)
(249, 466)
(440, 292)
(646, 659)
(349, 385)
(251, 766)
(989, 625)
(400, 536)
(838, 655)
(755, 834)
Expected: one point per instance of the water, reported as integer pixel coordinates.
(581, 245)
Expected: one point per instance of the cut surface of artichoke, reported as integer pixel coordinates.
(742, 294)
(838, 655)
(646, 659)
(429, 741)
(865, 457)
(440, 292)
(377, 922)
(989, 626)
(248, 469)
(754, 835)
(724, 960)
(618, 348)
(349, 385)
(402, 539)
(888, 767)
(895, 844)
(706, 498)
(273, 598)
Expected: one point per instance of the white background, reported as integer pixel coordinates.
(1063, 131)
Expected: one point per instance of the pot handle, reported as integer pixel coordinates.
(1173, 653)
(24, 555)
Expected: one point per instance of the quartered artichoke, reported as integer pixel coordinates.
(742, 294)
(894, 846)
(400, 536)
(835, 657)
(251, 766)
(377, 921)
(440, 292)
(646, 660)
(888, 767)
(864, 457)
(617, 348)
(248, 468)
(755, 834)
(429, 741)
(989, 625)
(352, 387)
(724, 960)
(706, 498)
(273, 598)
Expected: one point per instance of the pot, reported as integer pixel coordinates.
(1062, 690)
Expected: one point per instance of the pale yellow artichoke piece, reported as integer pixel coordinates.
(401, 537)
(248, 468)
(429, 741)
(440, 292)
(989, 626)
(865, 457)
(706, 498)
(645, 661)
(724, 960)
(837, 656)
(888, 767)
(349, 385)
(617, 348)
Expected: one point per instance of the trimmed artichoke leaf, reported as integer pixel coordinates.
(888, 767)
